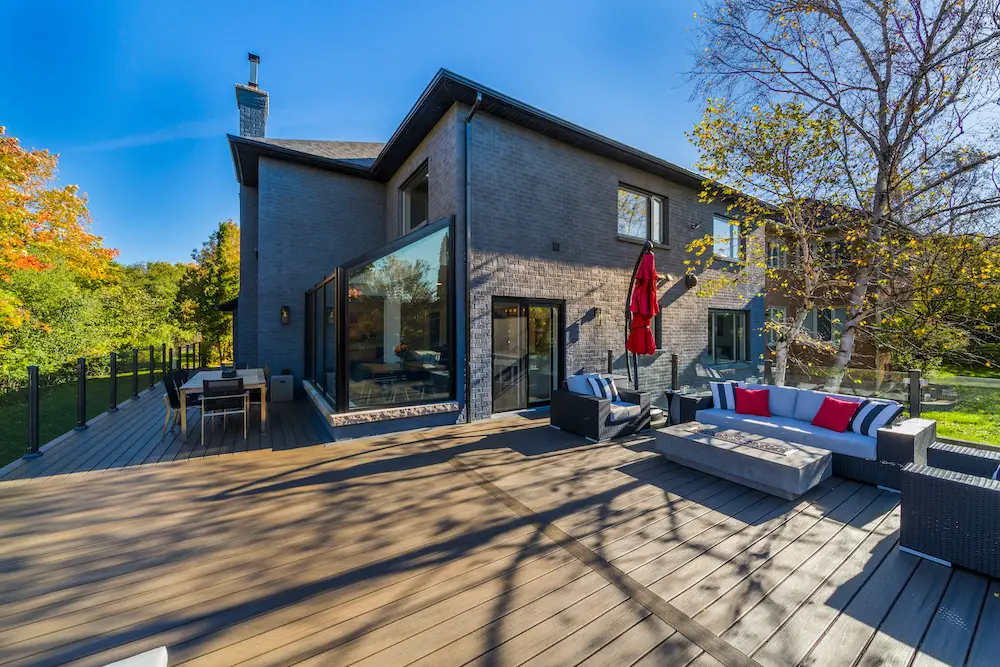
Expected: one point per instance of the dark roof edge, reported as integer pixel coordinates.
(246, 147)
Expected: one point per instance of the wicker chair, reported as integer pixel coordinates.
(951, 508)
(593, 417)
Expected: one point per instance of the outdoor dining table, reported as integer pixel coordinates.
(253, 378)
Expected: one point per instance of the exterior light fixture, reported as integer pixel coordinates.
(690, 280)
(286, 315)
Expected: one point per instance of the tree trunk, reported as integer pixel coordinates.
(781, 347)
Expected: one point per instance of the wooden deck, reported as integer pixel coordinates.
(133, 436)
(499, 543)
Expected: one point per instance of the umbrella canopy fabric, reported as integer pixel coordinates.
(643, 307)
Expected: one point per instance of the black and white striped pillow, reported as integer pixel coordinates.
(873, 415)
(604, 387)
(724, 395)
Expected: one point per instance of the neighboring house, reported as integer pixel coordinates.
(469, 264)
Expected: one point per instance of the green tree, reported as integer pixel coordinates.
(211, 280)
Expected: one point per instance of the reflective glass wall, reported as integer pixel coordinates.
(381, 330)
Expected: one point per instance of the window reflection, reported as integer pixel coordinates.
(399, 342)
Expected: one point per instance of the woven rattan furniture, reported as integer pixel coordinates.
(767, 464)
(951, 508)
(591, 416)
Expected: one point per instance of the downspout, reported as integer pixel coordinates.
(468, 253)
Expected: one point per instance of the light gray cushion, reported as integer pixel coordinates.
(808, 402)
(580, 384)
(793, 430)
(780, 400)
(621, 412)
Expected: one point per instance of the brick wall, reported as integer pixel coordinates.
(309, 222)
(528, 192)
(245, 338)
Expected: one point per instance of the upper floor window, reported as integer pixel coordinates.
(728, 239)
(413, 200)
(776, 315)
(826, 323)
(777, 255)
(642, 215)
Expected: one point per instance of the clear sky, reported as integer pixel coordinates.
(137, 97)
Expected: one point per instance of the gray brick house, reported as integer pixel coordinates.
(469, 264)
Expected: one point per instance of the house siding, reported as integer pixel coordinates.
(529, 192)
(309, 222)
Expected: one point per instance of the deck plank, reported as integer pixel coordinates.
(949, 636)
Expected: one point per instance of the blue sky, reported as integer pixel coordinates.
(137, 97)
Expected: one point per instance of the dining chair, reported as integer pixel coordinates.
(172, 403)
(224, 397)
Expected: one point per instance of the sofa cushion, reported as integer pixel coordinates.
(780, 400)
(793, 430)
(752, 401)
(580, 384)
(604, 387)
(622, 412)
(835, 414)
(807, 403)
(723, 395)
(873, 415)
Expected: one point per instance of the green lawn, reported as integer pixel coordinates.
(976, 418)
(56, 410)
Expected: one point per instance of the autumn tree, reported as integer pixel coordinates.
(911, 86)
(210, 281)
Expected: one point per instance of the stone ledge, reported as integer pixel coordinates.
(335, 419)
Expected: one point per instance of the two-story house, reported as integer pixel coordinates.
(469, 264)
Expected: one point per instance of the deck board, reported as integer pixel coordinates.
(268, 551)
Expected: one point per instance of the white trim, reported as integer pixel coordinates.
(920, 554)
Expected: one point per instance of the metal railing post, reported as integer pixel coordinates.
(768, 372)
(187, 356)
(611, 363)
(674, 379)
(171, 364)
(81, 393)
(114, 382)
(163, 357)
(135, 372)
(152, 367)
(915, 393)
(33, 450)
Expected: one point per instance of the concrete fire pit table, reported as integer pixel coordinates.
(770, 465)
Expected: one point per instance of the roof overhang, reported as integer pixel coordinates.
(445, 90)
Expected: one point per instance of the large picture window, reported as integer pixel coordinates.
(727, 336)
(399, 344)
(642, 215)
(728, 239)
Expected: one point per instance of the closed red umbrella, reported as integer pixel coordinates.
(642, 306)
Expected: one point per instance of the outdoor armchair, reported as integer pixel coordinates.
(599, 418)
(951, 508)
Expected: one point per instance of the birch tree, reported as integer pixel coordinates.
(912, 86)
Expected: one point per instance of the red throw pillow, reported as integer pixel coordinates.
(835, 414)
(752, 402)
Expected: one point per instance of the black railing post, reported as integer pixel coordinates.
(135, 372)
(187, 356)
(33, 451)
(171, 364)
(915, 393)
(163, 357)
(674, 379)
(114, 382)
(81, 393)
(768, 372)
(152, 367)
(611, 363)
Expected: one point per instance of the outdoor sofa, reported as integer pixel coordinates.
(876, 457)
(951, 508)
(576, 408)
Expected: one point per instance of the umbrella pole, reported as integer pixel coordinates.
(647, 248)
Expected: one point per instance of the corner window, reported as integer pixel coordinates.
(413, 200)
(727, 336)
(642, 215)
(728, 240)
(778, 315)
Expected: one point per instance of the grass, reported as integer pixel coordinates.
(56, 410)
(976, 417)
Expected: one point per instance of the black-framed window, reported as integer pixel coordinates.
(728, 341)
(729, 237)
(642, 215)
(414, 200)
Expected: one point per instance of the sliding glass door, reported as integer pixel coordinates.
(527, 355)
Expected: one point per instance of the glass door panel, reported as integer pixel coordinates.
(509, 386)
(543, 357)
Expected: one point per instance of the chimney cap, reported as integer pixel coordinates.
(253, 57)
